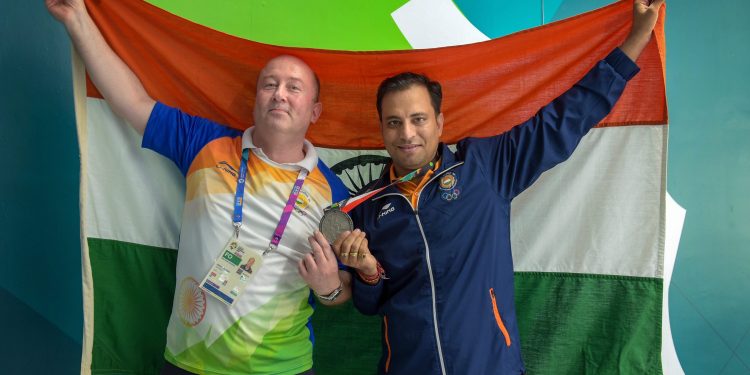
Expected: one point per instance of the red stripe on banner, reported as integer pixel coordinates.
(488, 87)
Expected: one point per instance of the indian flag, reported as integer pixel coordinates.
(588, 237)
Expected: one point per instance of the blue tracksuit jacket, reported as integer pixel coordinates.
(448, 305)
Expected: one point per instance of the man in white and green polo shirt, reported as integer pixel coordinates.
(249, 252)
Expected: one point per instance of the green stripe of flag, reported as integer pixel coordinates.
(569, 323)
(134, 286)
(346, 342)
(589, 324)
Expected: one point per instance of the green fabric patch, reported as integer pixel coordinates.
(274, 355)
(133, 289)
(295, 325)
(589, 324)
(346, 342)
(337, 25)
(337, 329)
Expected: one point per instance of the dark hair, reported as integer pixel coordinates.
(406, 80)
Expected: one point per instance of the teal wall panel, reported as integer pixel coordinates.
(500, 18)
(40, 276)
(709, 161)
(39, 215)
(32, 345)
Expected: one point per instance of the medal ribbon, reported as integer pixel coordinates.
(238, 201)
(349, 204)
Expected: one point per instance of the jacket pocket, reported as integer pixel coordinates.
(387, 343)
(499, 319)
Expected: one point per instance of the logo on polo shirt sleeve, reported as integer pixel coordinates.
(227, 168)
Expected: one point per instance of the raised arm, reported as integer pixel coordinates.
(645, 14)
(117, 83)
(516, 158)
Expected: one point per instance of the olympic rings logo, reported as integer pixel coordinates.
(450, 195)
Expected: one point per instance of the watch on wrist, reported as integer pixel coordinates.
(330, 297)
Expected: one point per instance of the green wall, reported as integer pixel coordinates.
(709, 174)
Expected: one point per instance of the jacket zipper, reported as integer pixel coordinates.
(429, 263)
(429, 268)
(498, 319)
(432, 286)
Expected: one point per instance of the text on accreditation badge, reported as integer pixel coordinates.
(232, 271)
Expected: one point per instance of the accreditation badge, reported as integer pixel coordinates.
(232, 271)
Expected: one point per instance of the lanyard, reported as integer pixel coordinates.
(285, 215)
(349, 204)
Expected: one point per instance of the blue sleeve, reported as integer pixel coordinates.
(180, 136)
(339, 192)
(366, 297)
(515, 159)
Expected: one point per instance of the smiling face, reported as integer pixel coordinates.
(286, 97)
(410, 127)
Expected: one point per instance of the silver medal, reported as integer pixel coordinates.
(333, 223)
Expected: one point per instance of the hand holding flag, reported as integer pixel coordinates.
(645, 15)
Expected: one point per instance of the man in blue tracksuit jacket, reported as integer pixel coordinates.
(442, 240)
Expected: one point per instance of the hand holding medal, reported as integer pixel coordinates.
(319, 268)
(352, 250)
